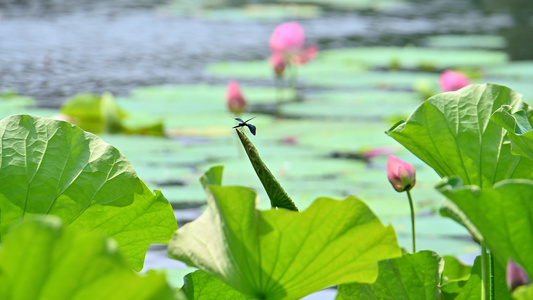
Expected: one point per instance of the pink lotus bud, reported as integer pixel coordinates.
(516, 276)
(234, 98)
(287, 37)
(401, 174)
(278, 63)
(453, 80)
(307, 55)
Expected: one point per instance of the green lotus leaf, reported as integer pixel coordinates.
(282, 254)
(42, 259)
(99, 114)
(469, 289)
(519, 127)
(354, 4)
(503, 214)
(467, 41)
(453, 134)
(199, 285)
(454, 269)
(53, 167)
(412, 276)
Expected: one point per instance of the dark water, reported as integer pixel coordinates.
(52, 49)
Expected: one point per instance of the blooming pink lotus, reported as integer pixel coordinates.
(287, 37)
(234, 98)
(401, 174)
(288, 40)
(453, 80)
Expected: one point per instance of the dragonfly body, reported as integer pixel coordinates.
(245, 123)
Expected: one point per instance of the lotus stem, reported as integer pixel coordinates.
(412, 219)
(487, 274)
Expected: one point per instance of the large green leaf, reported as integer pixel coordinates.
(453, 134)
(282, 254)
(52, 167)
(41, 259)
(503, 214)
(199, 285)
(412, 276)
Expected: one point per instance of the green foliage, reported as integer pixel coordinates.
(42, 259)
(503, 214)
(52, 167)
(276, 193)
(199, 285)
(453, 134)
(520, 131)
(455, 270)
(412, 276)
(468, 289)
(282, 254)
(99, 114)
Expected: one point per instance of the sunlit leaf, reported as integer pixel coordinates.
(282, 254)
(519, 127)
(412, 276)
(52, 167)
(503, 214)
(41, 259)
(454, 269)
(453, 134)
(468, 289)
(202, 286)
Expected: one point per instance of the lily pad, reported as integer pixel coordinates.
(414, 57)
(250, 12)
(361, 105)
(513, 70)
(467, 41)
(42, 259)
(354, 4)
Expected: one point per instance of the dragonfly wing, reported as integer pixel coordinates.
(252, 128)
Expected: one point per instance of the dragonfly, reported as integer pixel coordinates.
(245, 123)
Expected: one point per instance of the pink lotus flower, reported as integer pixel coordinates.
(453, 80)
(278, 63)
(401, 174)
(515, 275)
(288, 40)
(234, 98)
(287, 37)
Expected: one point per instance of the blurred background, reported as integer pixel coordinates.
(162, 68)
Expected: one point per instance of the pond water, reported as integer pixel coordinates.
(53, 49)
